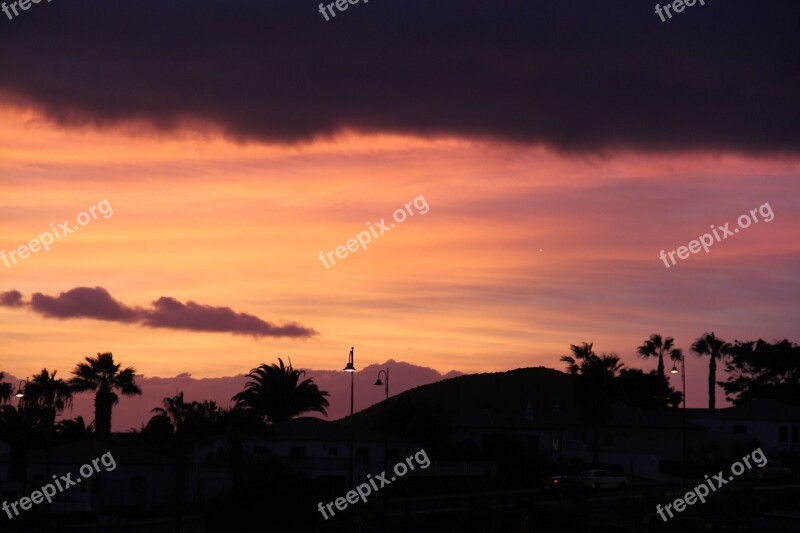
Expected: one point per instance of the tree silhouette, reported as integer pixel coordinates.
(6, 389)
(657, 347)
(580, 354)
(47, 396)
(646, 390)
(277, 393)
(762, 370)
(191, 419)
(72, 429)
(675, 399)
(709, 345)
(103, 375)
(17, 425)
(594, 385)
(188, 423)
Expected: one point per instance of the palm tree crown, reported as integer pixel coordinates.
(708, 344)
(48, 396)
(174, 410)
(655, 346)
(277, 392)
(5, 389)
(580, 354)
(103, 375)
(74, 429)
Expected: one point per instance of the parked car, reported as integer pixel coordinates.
(603, 479)
(772, 470)
(564, 487)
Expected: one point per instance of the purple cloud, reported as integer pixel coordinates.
(11, 299)
(96, 303)
(83, 302)
(170, 313)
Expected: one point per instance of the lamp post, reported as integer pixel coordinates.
(683, 411)
(352, 370)
(20, 391)
(21, 394)
(378, 382)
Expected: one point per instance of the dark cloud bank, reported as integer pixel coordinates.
(576, 75)
(97, 303)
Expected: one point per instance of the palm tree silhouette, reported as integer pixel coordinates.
(708, 344)
(103, 375)
(593, 387)
(5, 389)
(47, 396)
(659, 347)
(189, 422)
(174, 415)
(277, 393)
(72, 429)
(580, 354)
(655, 346)
(174, 411)
(192, 419)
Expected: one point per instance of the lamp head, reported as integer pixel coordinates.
(350, 367)
(378, 381)
(674, 369)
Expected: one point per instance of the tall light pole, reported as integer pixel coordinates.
(683, 410)
(378, 382)
(352, 369)
(21, 394)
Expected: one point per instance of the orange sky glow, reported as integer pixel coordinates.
(200, 218)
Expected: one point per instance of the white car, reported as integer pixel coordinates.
(603, 479)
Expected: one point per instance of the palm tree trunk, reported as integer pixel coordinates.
(663, 383)
(102, 414)
(712, 379)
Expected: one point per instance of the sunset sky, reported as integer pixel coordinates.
(557, 155)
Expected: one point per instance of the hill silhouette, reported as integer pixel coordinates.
(544, 389)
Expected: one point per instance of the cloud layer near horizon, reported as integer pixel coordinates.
(166, 312)
(578, 76)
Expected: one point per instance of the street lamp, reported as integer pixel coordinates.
(378, 383)
(20, 391)
(683, 410)
(352, 370)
